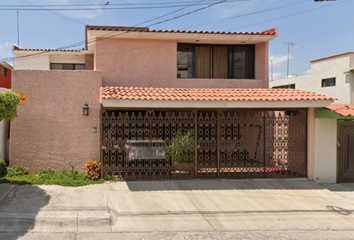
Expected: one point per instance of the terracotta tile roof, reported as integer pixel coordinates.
(16, 48)
(145, 29)
(345, 110)
(209, 94)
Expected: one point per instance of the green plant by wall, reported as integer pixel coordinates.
(93, 169)
(2, 168)
(17, 175)
(15, 171)
(8, 105)
(181, 147)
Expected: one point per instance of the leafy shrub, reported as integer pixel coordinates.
(15, 171)
(8, 105)
(109, 178)
(181, 147)
(2, 168)
(16, 175)
(93, 169)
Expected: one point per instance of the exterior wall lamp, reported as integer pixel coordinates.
(85, 109)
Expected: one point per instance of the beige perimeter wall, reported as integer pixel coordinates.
(325, 167)
(50, 130)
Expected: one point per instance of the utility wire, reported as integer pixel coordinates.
(167, 14)
(56, 13)
(286, 16)
(247, 14)
(188, 13)
(82, 42)
(95, 40)
(166, 20)
(108, 7)
(119, 4)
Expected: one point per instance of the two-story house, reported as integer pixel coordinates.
(332, 76)
(134, 94)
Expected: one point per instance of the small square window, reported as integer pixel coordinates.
(3, 71)
(328, 82)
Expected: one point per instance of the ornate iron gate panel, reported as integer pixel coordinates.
(207, 145)
(135, 144)
(286, 144)
(242, 144)
(227, 144)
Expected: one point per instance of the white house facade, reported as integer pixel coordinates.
(331, 76)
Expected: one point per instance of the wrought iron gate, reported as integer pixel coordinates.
(227, 144)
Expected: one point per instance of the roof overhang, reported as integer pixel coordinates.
(179, 36)
(120, 103)
(6, 65)
(33, 52)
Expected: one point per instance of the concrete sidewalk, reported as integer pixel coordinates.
(190, 209)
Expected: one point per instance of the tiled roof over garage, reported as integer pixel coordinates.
(209, 94)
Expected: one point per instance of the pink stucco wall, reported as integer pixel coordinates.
(311, 143)
(50, 130)
(153, 63)
(261, 64)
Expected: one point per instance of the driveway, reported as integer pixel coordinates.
(185, 209)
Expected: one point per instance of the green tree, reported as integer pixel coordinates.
(8, 105)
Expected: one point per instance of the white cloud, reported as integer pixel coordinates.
(276, 76)
(278, 59)
(307, 72)
(5, 50)
(231, 9)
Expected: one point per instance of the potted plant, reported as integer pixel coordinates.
(181, 150)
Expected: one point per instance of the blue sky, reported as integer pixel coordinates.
(318, 29)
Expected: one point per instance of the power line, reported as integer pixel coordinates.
(119, 4)
(167, 14)
(188, 13)
(286, 16)
(105, 7)
(167, 20)
(112, 35)
(55, 13)
(247, 14)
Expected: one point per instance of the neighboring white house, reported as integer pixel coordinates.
(331, 76)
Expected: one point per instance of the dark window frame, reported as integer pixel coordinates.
(250, 50)
(290, 86)
(67, 64)
(328, 82)
(3, 71)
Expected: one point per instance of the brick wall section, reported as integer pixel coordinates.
(50, 130)
(153, 63)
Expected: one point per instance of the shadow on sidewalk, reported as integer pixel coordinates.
(223, 184)
(19, 208)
